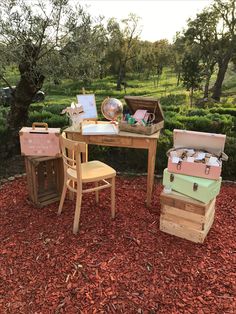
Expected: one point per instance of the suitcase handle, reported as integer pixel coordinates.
(39, 124)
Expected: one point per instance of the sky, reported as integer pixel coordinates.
(159, 19)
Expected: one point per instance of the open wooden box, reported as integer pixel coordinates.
(151, 105)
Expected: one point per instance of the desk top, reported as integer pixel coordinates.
(121, 134)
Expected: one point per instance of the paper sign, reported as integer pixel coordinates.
(89, 106)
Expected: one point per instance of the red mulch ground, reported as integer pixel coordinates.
(123, 266)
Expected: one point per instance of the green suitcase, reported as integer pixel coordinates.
(203, 190)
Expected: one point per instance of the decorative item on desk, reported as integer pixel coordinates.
(74, 112)
(111, 109)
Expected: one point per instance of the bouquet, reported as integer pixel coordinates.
(74, 112)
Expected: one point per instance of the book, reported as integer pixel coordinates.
(99, 129)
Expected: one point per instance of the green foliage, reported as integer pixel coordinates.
(36, 107)
(229, 167)
(223, 111)
(165, 142)
(213, 123)
(191, 72)
(173, 99)
(55, 108)
(53, 120)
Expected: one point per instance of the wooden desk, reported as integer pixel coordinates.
(124, 139)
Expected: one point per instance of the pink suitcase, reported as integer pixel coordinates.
(211, 143)
(39, 141)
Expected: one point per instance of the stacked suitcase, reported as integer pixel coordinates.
(191, 183)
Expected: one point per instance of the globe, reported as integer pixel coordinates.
(111, 108)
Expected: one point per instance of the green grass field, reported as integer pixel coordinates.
(178, 114)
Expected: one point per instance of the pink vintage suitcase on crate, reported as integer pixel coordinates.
(209, 145)
(39, 140)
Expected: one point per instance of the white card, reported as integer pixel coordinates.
(190, 159)
(200, 156)
(175, 160)
(190, 152)
(213, 161)
(173, 154)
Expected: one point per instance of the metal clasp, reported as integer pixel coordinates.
(179, 165)
(207, 169)
(195, 186)
(172, 177)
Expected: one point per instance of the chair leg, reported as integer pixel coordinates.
(63, 196)
(77, 212)
(113, 180)
(96, 193)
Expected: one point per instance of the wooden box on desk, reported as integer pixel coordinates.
(185, 217)
(44, 179)
(152, 106)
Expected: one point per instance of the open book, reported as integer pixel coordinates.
(99, 129)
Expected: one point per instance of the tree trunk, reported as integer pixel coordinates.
(121, 75)
(223, 65)
(191, 97)
(31, 80)
(178, 78)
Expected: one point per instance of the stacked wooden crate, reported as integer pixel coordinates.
(44, 179)
(188, 199)
(185, 217)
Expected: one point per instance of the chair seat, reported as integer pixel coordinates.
(92, 171)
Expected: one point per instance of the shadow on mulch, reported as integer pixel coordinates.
(122, 266)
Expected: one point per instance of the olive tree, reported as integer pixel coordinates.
(32, 33)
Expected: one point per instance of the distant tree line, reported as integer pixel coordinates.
(49, 39)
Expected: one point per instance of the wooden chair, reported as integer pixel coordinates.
(76, 173)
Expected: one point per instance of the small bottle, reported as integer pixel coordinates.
(167, 189)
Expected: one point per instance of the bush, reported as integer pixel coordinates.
(213, 123)
(230, 111)
(55, 108)
(53, 120)
(229, 167)
(176, 100)
(36, 107)
(165, 142)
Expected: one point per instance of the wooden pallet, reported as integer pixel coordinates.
(186, 218)
(44, 179)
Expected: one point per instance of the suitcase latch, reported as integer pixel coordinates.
(195, 186)
(179, 165)
(172, 177)
(207, 169)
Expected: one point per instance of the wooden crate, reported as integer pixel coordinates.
(44, 179)
(185, 217)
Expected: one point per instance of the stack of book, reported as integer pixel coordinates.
(191, 183)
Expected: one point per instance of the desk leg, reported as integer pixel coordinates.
(151, 168)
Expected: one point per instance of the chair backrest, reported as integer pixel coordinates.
(71, 154)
